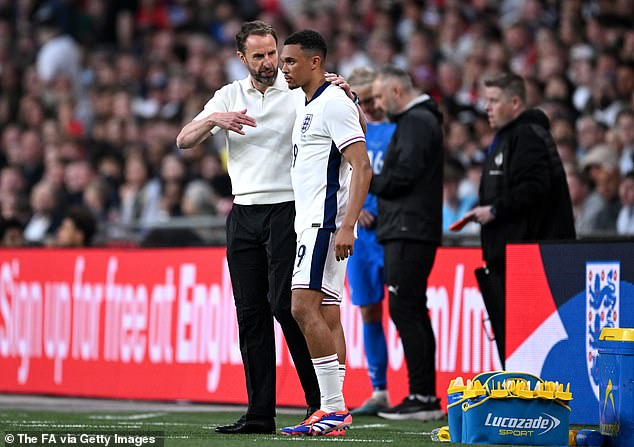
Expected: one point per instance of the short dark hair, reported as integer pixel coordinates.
(308, 40)
(85, 222)
(256, 27)
(510, 84)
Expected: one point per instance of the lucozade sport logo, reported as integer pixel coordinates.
(602, 310)
(543, 423)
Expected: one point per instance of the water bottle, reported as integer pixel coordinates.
(572, 437)
(589, 438)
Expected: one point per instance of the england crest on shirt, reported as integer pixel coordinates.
(308, 118)
(602, 310)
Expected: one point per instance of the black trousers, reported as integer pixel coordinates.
(491, 280)
(260, 253)
(407, 267)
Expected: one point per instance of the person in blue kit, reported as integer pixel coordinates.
(365, 268)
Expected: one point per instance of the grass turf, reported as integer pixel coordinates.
(193, 429)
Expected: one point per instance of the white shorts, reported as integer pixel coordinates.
(316, 267)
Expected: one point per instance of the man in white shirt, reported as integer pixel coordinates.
(257, 114)
(331, 175)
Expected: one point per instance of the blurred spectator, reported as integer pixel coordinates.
(604, 103)
(140, 195)
(454, 206)
(12, 181)
(97, 198)
(421, 56)
(497, 58)
(44, 220)
(589, 134)
(449, 86)
(31, 157)
(382, 49)
(580, 73)
(11, 233)
(460, 142)
(583, 207)
(567, 147)
(625, 219)
(77, 229)
(625, 134)
(198, 199)
(470, 183)
(348, 55)
(607, 187)
(600, 163)
(517, 38)
(59, 56)
(77, 175)
(172, 180)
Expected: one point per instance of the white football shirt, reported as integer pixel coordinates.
(323, 128)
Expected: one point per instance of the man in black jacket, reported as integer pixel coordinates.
(409, 191)
(523, 190)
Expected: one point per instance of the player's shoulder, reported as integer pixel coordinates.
(335, 92)
(336, 99)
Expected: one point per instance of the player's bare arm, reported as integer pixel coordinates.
(357, 156)
(196, 132)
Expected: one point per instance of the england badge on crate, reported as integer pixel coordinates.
(602, 310)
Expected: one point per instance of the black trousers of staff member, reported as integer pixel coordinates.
(408, 264)
(261, 252)
(491, 280)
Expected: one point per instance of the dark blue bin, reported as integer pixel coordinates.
(616, 385)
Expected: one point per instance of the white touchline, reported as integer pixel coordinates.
(128, 417)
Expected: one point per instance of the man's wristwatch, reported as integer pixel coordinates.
(355, 98)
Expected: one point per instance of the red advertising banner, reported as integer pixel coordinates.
(160, 324)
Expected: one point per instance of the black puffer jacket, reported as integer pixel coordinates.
(524, 180)
(409, 187)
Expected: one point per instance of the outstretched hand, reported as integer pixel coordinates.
(233, 121)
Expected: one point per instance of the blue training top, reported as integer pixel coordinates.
(376, 140)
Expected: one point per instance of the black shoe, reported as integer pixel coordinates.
(414, 408)
(310, 410)
(244, 426)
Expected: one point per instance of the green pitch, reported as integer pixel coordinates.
(193, 429)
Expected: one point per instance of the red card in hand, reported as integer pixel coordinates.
(459, 224)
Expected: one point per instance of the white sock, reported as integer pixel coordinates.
(327, 371)
(342, 374)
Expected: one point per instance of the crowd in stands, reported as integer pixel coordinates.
(94, 92)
